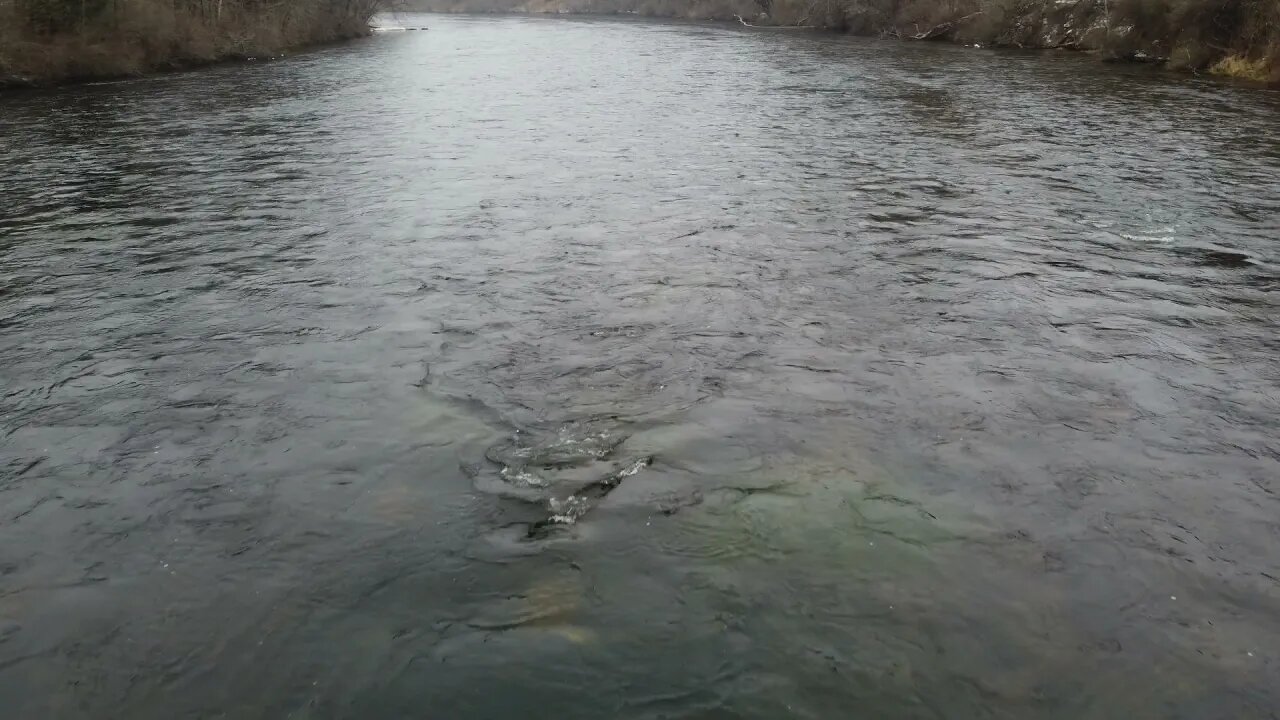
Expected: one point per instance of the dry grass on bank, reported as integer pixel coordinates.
(46, 41)
(1258, 70)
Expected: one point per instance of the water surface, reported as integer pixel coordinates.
(602, 369)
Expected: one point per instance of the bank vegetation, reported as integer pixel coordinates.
(1231, 37)
(46, 41)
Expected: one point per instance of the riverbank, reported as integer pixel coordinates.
(46, 42)
(1236, 38)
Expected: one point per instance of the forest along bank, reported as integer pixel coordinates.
(50, 41)
(1236, 38)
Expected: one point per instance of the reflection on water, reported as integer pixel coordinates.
(617, 369)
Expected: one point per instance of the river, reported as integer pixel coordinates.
(536, 367)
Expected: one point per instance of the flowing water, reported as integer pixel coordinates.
(603, 369)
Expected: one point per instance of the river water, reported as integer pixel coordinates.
(605, 369)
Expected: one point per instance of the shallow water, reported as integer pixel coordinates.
(605, 369)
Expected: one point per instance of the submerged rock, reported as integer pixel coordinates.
(568, 510)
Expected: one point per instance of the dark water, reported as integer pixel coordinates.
(881, 380)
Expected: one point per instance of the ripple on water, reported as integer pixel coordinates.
(940, 398)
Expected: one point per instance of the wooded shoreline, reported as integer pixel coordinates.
(47, 42)
(1236, 38)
